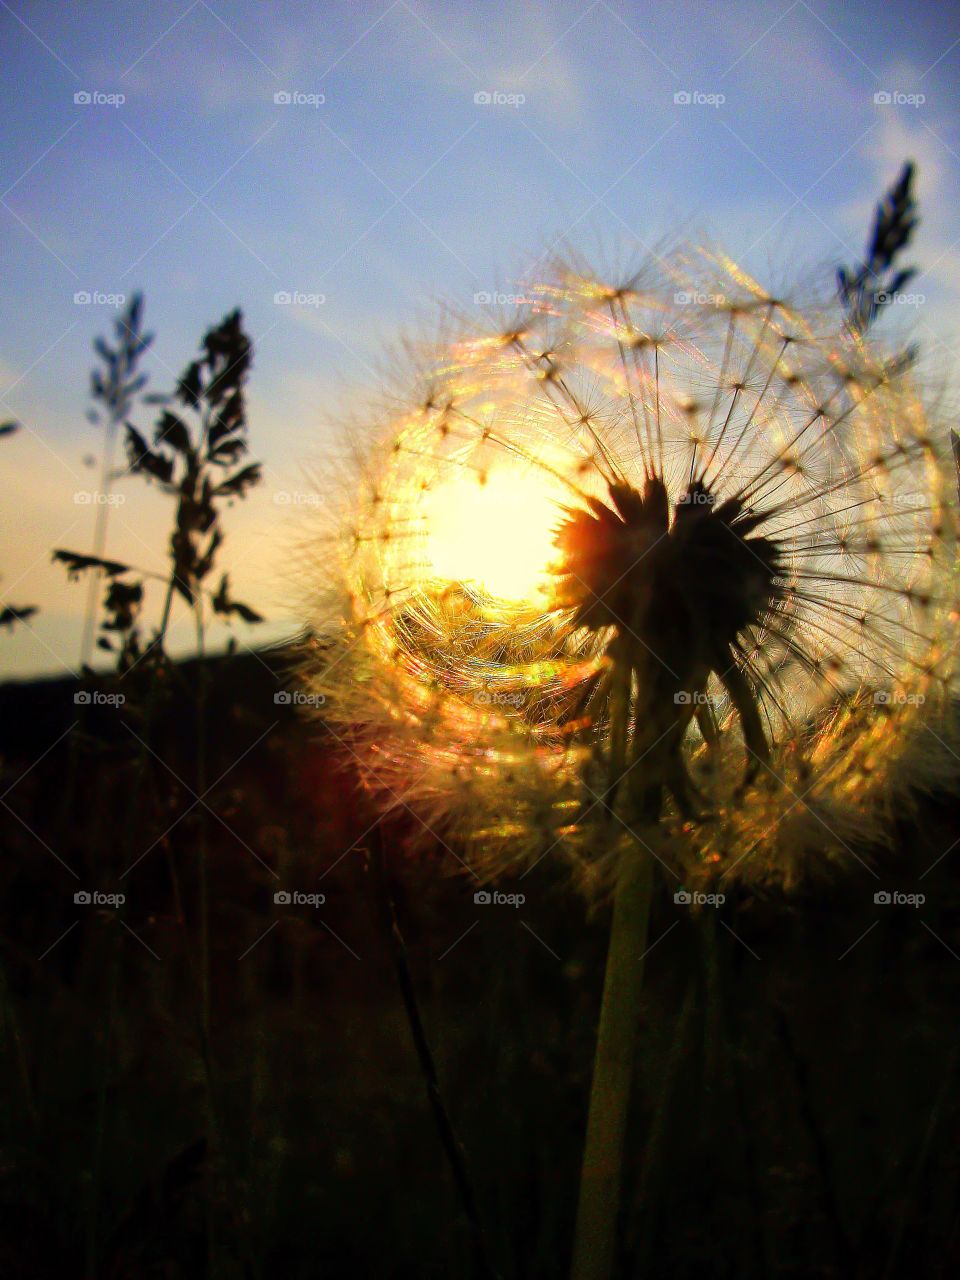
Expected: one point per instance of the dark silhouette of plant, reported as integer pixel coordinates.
(871, 285)
(874, 283)
(122, 602)
(122, 605)
(198, 445)
(114, 388)
(11, 614)
(196, 457)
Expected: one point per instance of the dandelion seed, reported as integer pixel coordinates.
(666, 551)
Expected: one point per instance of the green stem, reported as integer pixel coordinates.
(600, 1176)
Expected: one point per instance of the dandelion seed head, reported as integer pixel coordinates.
(659, 553)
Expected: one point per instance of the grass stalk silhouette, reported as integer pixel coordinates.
(114, 390)
(198, 466)
(452, 1146)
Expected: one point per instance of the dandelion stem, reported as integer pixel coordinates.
(600, 1175)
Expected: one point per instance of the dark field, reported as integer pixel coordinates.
(206, 1082)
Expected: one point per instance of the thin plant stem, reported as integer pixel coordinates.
(113, 965)
(214, 1164)
(600, 1177)
(908, 1200)
(452, 1147)
(99, 1133)
(644, 1198)
(829, 1195)
(99, 541)
(201, 730)
(92, 610)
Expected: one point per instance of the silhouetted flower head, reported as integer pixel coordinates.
(660, 553)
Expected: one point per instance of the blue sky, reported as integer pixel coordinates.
(396, 190)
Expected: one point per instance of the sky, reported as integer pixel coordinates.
(372, 161)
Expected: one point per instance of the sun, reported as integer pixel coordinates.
(495, 533)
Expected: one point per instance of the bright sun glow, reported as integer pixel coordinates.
(498, 536)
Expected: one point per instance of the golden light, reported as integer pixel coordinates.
(496, 535)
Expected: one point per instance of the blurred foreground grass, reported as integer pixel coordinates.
(798, 1118)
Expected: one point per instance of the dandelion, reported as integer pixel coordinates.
(661, 568)
(664, 550)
